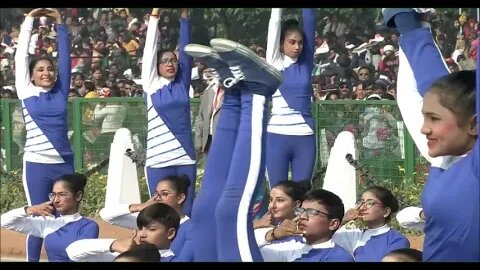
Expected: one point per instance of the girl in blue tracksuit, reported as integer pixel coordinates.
(58, 232)
(447, 137)
(221, 220)
(166, 81)
(291, 138)
(43, 92)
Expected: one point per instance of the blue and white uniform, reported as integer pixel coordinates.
(170, 149)
(296, 250)
(58, 232)
(48, 154)
(120, 215)
(291, 139)
(370, 245)
(452, 230)
(98, 250)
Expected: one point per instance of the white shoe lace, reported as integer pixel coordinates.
(237, 76)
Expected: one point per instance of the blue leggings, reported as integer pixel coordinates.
(38, 179)
(155, 175)
(234, 169)
(283, 150)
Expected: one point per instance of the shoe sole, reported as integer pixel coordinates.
(200, 51)
(226, 45)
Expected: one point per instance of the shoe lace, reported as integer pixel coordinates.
(237, 76)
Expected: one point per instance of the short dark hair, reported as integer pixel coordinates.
(333, 204)
(144, 252)
(456, 92)
(407, 254)
(386, 197)
(160, 212)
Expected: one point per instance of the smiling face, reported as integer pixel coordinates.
(293, 44)
(441, 127)
(43, 74)
(281, 205)
(168, 65)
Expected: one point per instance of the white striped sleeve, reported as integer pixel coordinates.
(22, 74)
(149, 60)
(17, 220)
(91, 250)
(273, 39)
(120, 215)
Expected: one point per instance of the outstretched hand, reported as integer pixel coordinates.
(54, 14)
(35, 13)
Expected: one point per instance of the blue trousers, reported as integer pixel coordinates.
(222, 218)
(286, 150)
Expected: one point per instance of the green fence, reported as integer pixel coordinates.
(383, 143)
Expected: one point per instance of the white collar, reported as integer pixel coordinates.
(185, 218)
(377, 231)
(287, 60)
(326, 244)
(71, 218)
(165, 253)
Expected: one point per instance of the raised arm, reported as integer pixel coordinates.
(120, 215)
(22, 74)
(149, 60)
(272, 53)
(421, 64)
(63, 41)
(308, 15)
(185, 61)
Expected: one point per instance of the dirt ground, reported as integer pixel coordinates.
(13, 243)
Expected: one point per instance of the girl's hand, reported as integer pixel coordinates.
(45, 209)
(54, 14)
(264, 222)
(35, 13)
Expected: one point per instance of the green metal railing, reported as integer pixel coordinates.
(383, 143)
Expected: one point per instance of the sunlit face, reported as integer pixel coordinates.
(43, 74)
(371, 208)
(156, 233)
(293, 44)
(168, 65)
(319, 226)
(165, 193)
(281, 205)
(441, 127)
(64, 200)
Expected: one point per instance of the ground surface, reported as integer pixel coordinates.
(13, 243)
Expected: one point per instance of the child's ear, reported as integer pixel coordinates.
(171, 234)
(79, 196)
(181, 198)
(472, 124)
